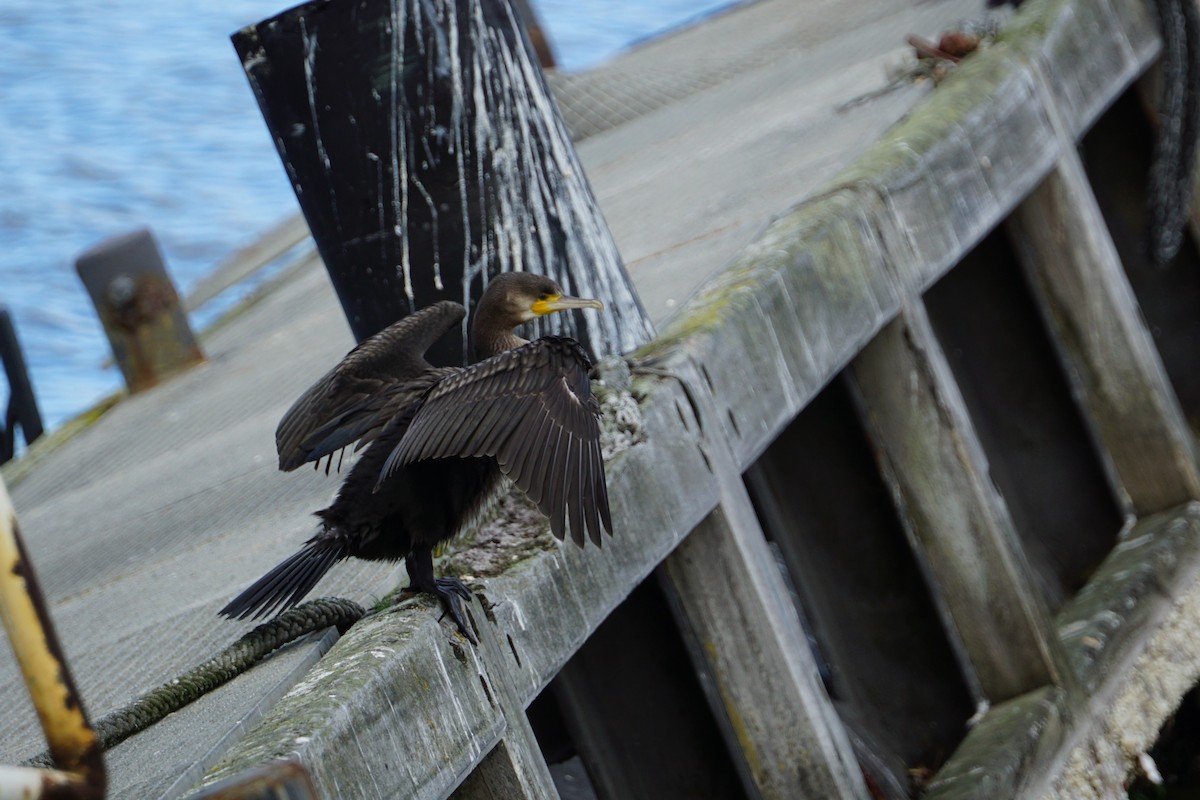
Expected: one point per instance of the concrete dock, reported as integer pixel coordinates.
(781, 241)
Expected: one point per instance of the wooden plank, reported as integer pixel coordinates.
(896, 673)
(1116, 156)
(1041, 455)
(784, 727)
(939, 474)
(1115, 370)
(749, 640)
(505, 774)
(514, 769)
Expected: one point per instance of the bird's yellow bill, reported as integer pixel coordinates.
(562, 302)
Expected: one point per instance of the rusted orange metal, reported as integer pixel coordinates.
(139, 308)
(73, 744)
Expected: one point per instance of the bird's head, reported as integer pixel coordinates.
(517, 297)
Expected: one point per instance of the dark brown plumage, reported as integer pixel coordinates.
(437, 439)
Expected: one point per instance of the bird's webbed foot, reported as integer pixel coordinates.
(451, 591)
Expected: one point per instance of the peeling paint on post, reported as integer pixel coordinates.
(427, 154)
(74, 746)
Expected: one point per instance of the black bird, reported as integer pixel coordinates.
(438, 438)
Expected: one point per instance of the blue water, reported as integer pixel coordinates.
(134, 113)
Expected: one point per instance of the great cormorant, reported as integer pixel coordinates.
(437, 439)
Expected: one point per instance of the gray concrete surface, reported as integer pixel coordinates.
(142, 525)
(687, 186)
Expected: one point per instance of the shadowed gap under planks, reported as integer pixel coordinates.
(894, 677)
(1039, 451)
(629, 705)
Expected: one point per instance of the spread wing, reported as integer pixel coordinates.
(345, 396)
(366, 419)
(532, 409)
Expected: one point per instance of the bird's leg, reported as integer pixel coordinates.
(451, 591)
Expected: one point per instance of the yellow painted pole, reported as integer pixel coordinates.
(73, 744)
(27, 783)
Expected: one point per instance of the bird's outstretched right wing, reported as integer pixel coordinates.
(366, 419)
(343, 397)
(532, 409)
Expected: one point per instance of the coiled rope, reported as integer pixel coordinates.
(235, 659)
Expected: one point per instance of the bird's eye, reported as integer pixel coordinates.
(543, 296)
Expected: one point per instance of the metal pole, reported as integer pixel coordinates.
(22, 404)
(427, 154)
(73, 744)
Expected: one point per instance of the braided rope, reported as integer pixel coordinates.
(1173, 164)
(235, 659)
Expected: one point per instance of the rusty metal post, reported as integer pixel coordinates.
(139, 308)
(428, 154)
(73, 744)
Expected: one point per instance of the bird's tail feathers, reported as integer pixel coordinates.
(288, 582)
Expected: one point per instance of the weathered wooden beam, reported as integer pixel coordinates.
(1041, 455)
(514, 769)
(748, 638)
(1116, 156)
(504, 774)
(1114, 368)
(938, 472)
(765, 680)
(888, 654)
(1131, 636)
(275, 779)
